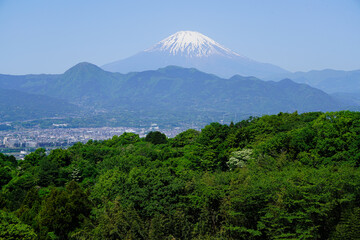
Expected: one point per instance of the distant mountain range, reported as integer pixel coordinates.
(170, 89)
(194, 50)
(328, 80)
(146, 84)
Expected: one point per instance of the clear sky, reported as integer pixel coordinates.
(42, 36)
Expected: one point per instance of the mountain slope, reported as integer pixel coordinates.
(16, 105)
(80, 84)
(198, 91)
(328, 80)
(193, 49)
(176, 89)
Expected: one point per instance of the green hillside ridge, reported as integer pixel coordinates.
(173, 89)
(284, 176)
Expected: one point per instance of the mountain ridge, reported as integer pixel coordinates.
(328, 80)
(193, 49)
(175, 89)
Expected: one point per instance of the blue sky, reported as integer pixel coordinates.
(42, 36)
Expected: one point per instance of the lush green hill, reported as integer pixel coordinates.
(285, 176)
(83, 83)
(16, 105)
(188, 89)
(174, 89)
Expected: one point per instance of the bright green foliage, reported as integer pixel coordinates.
(12, 229)
(34, 158)
(185, 138)
(60, 157)
(109, 185)
(124, 139)
(285, 176)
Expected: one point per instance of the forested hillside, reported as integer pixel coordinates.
(285, 176)
(16, 105)
(174, 89)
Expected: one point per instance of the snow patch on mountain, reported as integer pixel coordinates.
(194, 50)
(191, 44)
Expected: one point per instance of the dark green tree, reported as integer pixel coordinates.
(156, 138)
(64, 210)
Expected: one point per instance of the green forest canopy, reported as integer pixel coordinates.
(285, 176)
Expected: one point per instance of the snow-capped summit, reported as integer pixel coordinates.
(191, 44)
(193, 49)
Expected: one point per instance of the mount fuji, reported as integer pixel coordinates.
(194, 50)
